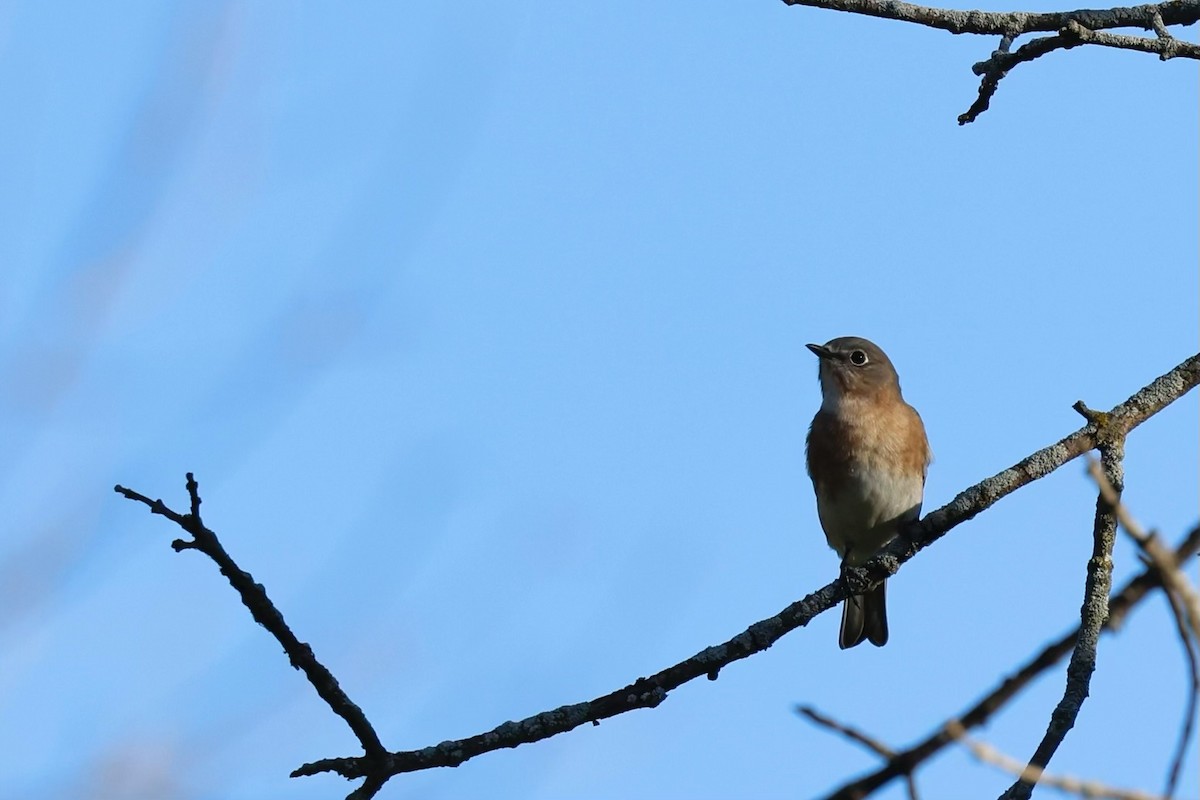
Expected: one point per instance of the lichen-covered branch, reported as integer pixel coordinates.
(1185, 607)
(907, 761)
(1177, 12)
(1094, 613)
(1082, 26)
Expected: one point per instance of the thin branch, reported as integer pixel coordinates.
(1185, 607)
(1122, 419)
(906, 761)
(995, 68)
(651, 691)
(369, 788)
(254, 596)
(1158, 26)
(1155, 551)
(1165, 47)
(1124, 517)
(989, 754)
(1070, 28)
(1093, 614)
(1188, 728)
(1000, 23)
(1072, 34)
(855, 735)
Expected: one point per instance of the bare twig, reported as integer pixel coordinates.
(254, 596)
(1188, 728)
(853, 734)
(996, 67)
(1066, 783)
(1185, 607)
(906, 761)
(1093, 613)
(987, 754)
(1070, 28)
(1001, 23)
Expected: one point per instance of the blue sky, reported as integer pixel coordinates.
(482, 329)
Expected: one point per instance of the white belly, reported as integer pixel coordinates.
(865, 514)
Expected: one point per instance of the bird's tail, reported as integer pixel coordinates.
(864, 617)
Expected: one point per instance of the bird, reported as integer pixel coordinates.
(868, 456)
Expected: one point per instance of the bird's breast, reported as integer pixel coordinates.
(868, 468)
(866, 512)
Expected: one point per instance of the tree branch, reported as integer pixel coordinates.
(1094, 613)
(855, 735)
(377, 765)
(998, 23)
(1188, 728)
(1165, 47)
(1185, 607)
(906, 761)
(254, 596)
(649, 692)
(985, 753)
(1071, 29)
(1066, 783)
(1155, 552)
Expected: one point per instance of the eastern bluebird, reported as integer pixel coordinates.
(867, 457)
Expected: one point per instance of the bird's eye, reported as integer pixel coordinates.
(858, 358)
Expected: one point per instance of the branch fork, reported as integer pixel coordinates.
(1069, 29)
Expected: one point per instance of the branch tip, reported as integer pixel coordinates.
(1091, 416)
(193, 490)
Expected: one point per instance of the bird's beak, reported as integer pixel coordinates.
(820, 350)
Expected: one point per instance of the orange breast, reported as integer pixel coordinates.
(866, 435)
